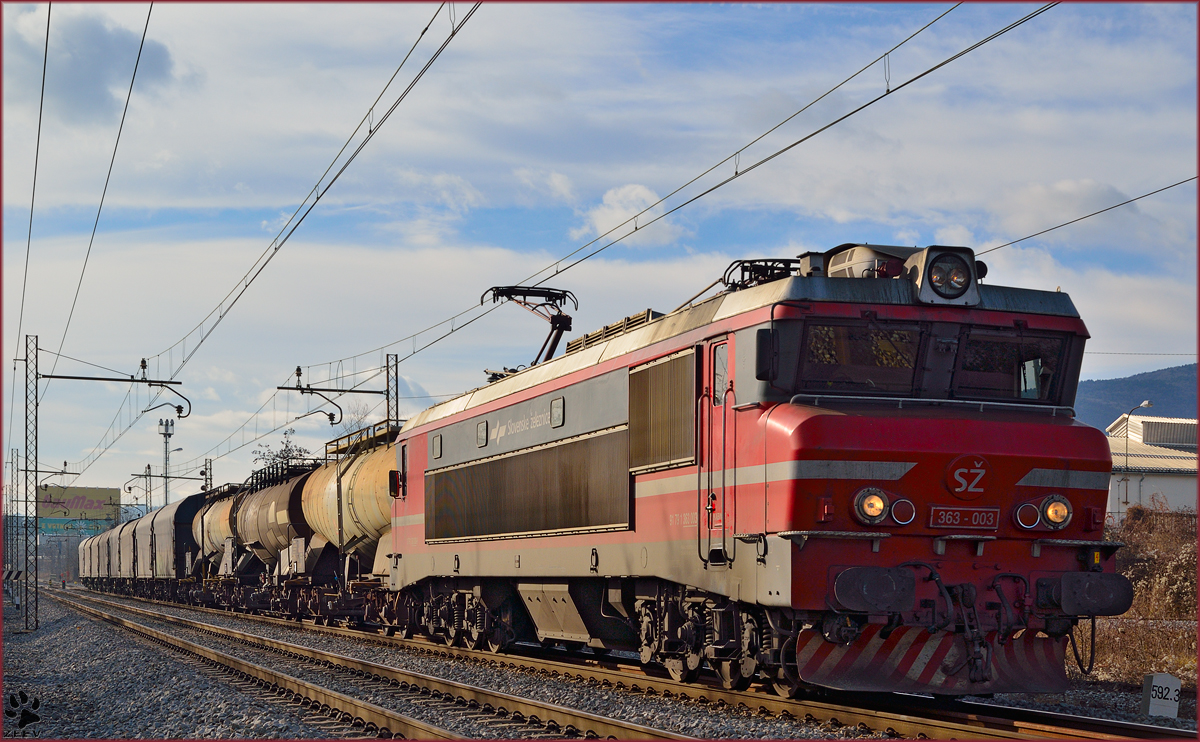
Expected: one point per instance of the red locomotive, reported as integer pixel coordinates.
(857, 469)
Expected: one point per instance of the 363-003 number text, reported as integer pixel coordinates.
(941, 516)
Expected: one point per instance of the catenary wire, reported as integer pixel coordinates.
(29, 236)
(1094, 213)
(560, 269)
(107, 178)
(222, 309)
(724, 161)
(79, 360)
(272, 249)
(755, 165)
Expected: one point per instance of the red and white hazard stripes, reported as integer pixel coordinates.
(911, 659)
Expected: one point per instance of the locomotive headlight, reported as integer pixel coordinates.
(949, 276)
(1056, 511)
(871, 506)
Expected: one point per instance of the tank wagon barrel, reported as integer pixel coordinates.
(856, 469)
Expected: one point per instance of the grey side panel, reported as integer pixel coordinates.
(595, 404)
(1066, 479)
(1009, 299)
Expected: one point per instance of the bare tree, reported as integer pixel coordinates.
(354, 417)
(288, 452)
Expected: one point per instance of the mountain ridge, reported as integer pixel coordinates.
(1172, 390)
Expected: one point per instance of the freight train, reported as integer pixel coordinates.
(856, 469)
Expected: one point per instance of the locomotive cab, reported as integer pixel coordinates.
(945, 510)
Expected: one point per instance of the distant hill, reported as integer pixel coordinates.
(1172, 390)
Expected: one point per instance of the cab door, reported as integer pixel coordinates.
(715, 488)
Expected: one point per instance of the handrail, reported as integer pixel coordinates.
(1054, 409)
(370, 433)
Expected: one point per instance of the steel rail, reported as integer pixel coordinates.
(373, 718)
(908, 716)
(548, 714)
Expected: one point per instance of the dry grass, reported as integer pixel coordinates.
(1158, 634)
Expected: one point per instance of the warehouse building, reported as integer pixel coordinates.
(1154, 464)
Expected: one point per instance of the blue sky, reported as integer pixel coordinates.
(539, 127)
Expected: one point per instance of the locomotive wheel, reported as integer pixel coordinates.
(677, 669)
(787, 684)
(750, 645)
(730, 672)
(786, 689)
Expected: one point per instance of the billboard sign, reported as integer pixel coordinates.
(77, 510)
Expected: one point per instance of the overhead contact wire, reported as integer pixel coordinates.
(798, 142)
(1089, 216)
(272, 249)
(37, 150)
(289, 229)
(103, 193)
(664, 198)
(725, 182)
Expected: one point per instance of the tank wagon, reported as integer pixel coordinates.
(856, 469)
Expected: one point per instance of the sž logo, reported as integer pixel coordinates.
(966, 476)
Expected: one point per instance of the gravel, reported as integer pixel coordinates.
(689, 717)
(94, 681)
(139, 670)
(1100, 700)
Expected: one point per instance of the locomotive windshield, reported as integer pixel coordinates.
(855, 357)
(871, 357)
(1003, 366)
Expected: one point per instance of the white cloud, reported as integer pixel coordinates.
(954, 235)
(1036, 206)
(624, 204)
(452, 191)
(548, 183)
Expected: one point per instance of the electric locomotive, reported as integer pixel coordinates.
(856, 469)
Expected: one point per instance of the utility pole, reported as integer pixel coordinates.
(166, 429)
(29, 583)
(28, 510)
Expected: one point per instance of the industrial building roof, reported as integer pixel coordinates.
(1143, 457)
(1174, 432)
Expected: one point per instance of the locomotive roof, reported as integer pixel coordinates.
(729, 304)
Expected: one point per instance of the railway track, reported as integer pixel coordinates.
(516, 717)
(897, 715)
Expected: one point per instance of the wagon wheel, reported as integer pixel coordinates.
(475, 637)
(497, 639)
